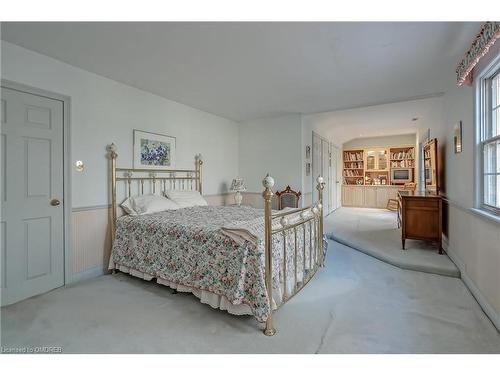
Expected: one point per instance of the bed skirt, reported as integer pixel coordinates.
(213, 300)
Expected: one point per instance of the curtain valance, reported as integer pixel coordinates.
(490, 32)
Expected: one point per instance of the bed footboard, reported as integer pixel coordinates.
(305, 225)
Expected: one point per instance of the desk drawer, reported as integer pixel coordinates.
(422, 203)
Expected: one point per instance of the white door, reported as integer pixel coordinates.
(338, 178)
(32, 191)
(316, 164)
(325, 172)
(334, 177)
(321, 167)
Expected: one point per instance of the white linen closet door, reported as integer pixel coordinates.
(317, 163)
(325, 172)
(32, 191)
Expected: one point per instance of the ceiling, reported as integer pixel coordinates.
(244, 71)
(408, 117)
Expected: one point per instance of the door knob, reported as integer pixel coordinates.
(55, 202)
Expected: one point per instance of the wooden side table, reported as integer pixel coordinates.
(420, 214)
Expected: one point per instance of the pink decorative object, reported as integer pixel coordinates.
(490, 32)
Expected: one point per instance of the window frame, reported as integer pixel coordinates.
(483, 117)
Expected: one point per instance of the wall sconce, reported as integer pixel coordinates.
(79, 166)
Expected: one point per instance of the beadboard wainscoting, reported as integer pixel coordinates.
(256, 200)
(472, 242)
(219, 199)
(306, 199)
(91, 238)
(91, 242)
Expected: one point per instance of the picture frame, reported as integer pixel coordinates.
(457, 137)
(308, 152)
(153, 150)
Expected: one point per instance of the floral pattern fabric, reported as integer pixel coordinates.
(187, 247)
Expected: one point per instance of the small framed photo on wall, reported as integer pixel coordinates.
(153, 151)
(308, 152)
(457, 137)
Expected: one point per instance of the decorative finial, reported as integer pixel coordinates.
(320, 180)
(199, 158)
(112, 151)
(284, 221)
(268, 182)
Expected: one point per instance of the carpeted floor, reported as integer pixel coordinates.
(374, 232)
(357, 304)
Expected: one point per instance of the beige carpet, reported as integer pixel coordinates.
(356, 304)
(374, 232)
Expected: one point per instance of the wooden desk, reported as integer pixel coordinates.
(420, 215)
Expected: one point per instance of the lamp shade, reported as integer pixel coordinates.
(238, 184)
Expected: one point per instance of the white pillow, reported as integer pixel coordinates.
(148, 204)
(186, 198)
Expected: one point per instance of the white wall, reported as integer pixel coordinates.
(473, 241)
(271, 145)
(459, 168)
(105, 111)
(385, 141)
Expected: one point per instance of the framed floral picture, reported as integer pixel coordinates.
(153, 151)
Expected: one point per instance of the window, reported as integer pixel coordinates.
(489, 141)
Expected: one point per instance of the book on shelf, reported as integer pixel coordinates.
(403, 154)
(352, 173)
(353, 156)
(353, 165)
(409, 163)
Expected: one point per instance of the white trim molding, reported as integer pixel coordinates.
(459, 250)
(476, 293)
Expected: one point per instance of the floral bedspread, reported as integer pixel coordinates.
(187, 247)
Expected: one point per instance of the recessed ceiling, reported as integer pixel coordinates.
(378, 120)
(249, 70)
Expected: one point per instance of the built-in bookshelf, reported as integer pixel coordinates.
(353, 167)
(430, 165)
(403, 157)
(374, 166)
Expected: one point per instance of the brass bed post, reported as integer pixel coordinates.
(321, 185)
(113, 155)
(268, 183)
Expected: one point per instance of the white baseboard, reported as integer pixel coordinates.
(487, 308)
(87, 274)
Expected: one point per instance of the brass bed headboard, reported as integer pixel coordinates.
(145, 181)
